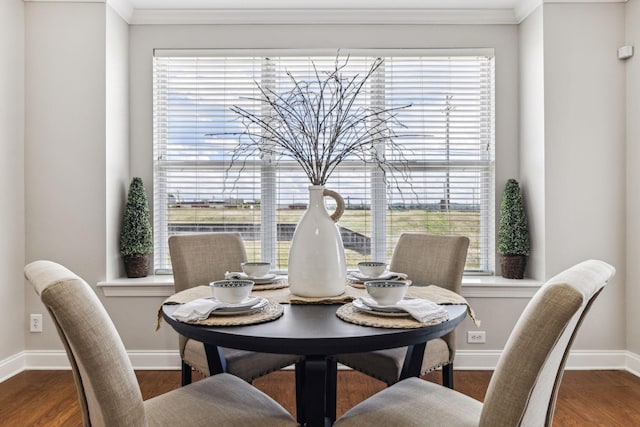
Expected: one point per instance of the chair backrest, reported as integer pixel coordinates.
(107, 386)
(198, 259)
(523, 389)
(431, 260)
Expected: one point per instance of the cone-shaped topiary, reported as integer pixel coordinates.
(136, 238)
(513, 234)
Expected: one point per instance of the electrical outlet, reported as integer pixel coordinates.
(476, 337)
(35, 324)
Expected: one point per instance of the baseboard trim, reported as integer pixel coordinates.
(140, 359)
(476, 360)
(11, 366)
(155, 360)
(170, 360)
(45, 360)
(633, 364)
(592, 360)
(578, 360)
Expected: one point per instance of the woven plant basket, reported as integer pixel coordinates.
(513, 266)
(136, 265)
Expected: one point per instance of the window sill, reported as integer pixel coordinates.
(150, 286)
(498, 287)
(472, 287)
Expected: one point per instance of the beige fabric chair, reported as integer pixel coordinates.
(107, 387)
(428, 260)
(524, 386)
(198, 259)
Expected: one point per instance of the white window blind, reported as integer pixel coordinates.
(443, 186)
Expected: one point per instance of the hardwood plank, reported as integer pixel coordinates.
(40, 398)
(598, 398)
(593, 398)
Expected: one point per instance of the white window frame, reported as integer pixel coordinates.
(378, 199)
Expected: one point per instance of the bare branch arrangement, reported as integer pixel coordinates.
(322, 122)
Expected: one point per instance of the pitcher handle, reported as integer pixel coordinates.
(335, 216)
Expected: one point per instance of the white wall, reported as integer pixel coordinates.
(12, 288)
(532, 168)
(633, 176)
(77, 146)
(584, 153)
(65, 143)
(75, 128)
(117, 136)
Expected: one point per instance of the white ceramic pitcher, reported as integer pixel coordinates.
(317, 266)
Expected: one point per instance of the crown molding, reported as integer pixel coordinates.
(65, 1)
(303, 15)
(584, 1)
(524, 8)
(323, 16)
(513, 12)
(122, 8)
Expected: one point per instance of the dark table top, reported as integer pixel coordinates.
(309, 329)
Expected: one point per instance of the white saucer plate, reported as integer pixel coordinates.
(387, 275)
(359, 276)
(247, 306)
(267, 278)
(388, 312)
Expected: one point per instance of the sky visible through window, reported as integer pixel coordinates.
(201, 117)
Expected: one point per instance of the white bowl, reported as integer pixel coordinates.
(372, 268)
(231, 291)
(256, 269)
(386, 292)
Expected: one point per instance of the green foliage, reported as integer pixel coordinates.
(136, 237)
(513, 234)
(451, 222)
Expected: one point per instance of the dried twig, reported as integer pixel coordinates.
(320, 123)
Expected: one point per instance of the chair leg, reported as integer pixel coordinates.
(186, 374)
(300, 413)
(331, 391)
(447, 375)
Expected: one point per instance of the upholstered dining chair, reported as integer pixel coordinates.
(524, 386)
(198, 259)
(107, 387)
(428, 260)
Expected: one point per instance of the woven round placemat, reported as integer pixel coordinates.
(350, 314)
(276, 284)
(271, 311)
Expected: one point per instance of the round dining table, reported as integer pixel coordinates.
(315, 332)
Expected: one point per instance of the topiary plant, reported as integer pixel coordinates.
(513, 233)
(136, 238)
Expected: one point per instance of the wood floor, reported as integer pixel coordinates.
(586, 398)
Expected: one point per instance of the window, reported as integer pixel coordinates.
(448, 134)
